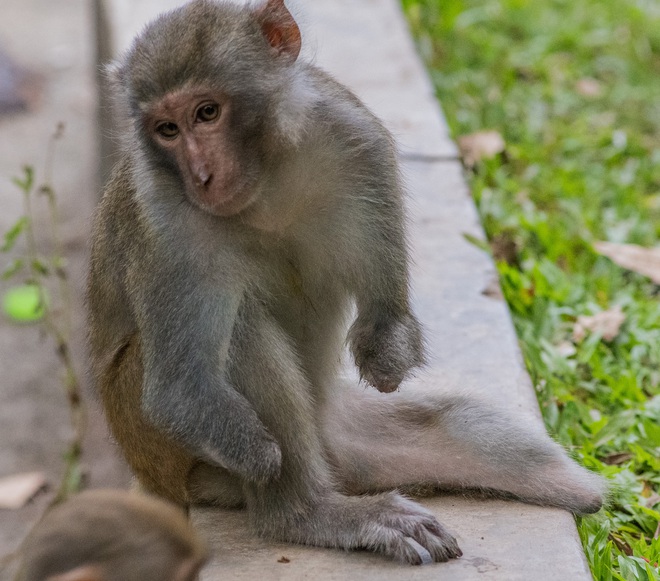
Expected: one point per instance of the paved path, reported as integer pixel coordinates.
(365, 44)
(54, 40)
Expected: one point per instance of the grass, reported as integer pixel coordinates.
(573, 86)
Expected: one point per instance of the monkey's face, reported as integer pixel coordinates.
(193, 126)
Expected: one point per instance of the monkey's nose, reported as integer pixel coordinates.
(202, 176)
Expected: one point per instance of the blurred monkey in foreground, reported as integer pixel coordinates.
(257, 203)
(111, 535)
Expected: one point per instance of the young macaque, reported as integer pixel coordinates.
(256, 209)
(111, 535)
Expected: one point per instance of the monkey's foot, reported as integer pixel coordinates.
(407, 532)
(386, 523)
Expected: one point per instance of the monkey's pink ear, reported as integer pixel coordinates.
(279, 28)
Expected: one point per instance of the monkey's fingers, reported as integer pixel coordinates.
(383, 382)
(386, 352)
(417, 548)
(425, 557)
(256, 459)
(411, 534)
(242, 444)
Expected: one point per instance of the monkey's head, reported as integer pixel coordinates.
(206, 87)
(112, 535)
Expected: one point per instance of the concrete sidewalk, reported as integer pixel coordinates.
(366, 45)
(54, 40)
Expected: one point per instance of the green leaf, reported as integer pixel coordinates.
(478, 242)
(25, 304)
(13, 233)
(40, 267)
(14, 266)
(25, 184)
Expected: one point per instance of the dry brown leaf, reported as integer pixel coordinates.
(621, 544)
(652, 500)
(642, 260)
(617, 458)
(493, 289)
(607, 323)
(589, 87)
(505, 247)
(17, 490)
(480, 145)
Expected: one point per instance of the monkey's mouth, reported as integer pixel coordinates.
(223, 201)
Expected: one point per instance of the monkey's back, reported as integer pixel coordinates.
(161, 465)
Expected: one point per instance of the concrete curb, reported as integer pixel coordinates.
(367, 46)
(52, 40)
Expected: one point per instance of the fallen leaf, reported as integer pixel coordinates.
(17, 490)
(607, 323)
(505, 247)
(617, 458)
(480, 145)
(642, 260)
(283, 560)
(589, 87)
(652, 500)
(621, 544)
(493, 289)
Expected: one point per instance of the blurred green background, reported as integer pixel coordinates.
(573, 88)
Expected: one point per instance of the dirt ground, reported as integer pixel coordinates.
(53, 41)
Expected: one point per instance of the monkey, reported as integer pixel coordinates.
(253, 229)
(112, 535)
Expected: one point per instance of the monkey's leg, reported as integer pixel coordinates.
(214, 485)
(379, 443)
(303, 505)
(160, 464)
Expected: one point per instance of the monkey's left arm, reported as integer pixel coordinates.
(386, 338)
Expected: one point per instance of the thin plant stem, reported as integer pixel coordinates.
(57, 323)
(57, 256)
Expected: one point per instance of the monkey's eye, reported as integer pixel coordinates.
(207, 112)
(168, 130)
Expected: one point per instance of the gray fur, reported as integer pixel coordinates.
(232, 329)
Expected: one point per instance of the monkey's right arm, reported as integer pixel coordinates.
(185, 326)
(184, 319)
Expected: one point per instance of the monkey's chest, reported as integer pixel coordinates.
(294, 300)
(300, 296)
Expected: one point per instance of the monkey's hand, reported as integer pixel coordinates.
(216, 423)
(386, 349)
(242, 444)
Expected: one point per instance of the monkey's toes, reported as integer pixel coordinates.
(419, 546)
(411, 534)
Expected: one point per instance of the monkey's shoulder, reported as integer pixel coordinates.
(118, 214)
(342, 111)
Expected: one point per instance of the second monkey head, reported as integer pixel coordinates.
(209, 91)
